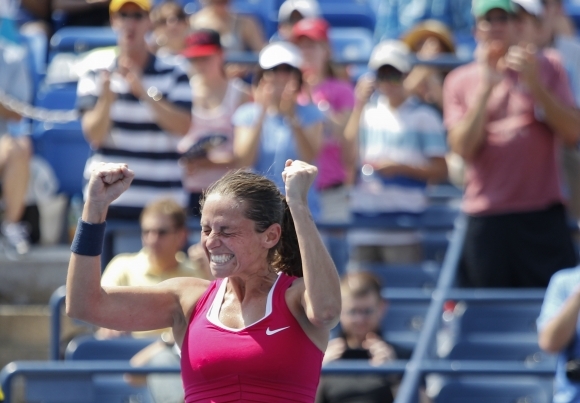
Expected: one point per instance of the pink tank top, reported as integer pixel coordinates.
(271, 360)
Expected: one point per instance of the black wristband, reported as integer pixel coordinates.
(88, 240)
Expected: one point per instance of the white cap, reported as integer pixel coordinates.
(391, 52)
(533, 7)
(278, 53)
(308, 9)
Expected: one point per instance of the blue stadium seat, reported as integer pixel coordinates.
(66, 150)
(404, 321)
(572, 8)
(464, 46)
(486, 389)
(89, 348)
(407, 276)
(350, 44)
(434, 244)
(348, 14)
(81, 39)
(488, 317)
(261, 10)
(440, 217)
(500, 348)
(61, 144)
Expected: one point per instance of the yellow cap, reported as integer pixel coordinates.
(117, 4)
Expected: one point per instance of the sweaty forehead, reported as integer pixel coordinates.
(222, 207)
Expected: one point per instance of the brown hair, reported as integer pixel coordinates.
(165, 10)
(360, 284)
(166, 207)
(265, 205)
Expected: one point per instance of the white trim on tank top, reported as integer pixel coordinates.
(214, 309)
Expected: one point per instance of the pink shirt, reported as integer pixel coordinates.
(516, 169)
(270, 361)
(338, 96)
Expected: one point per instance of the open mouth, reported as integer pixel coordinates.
(221, 259)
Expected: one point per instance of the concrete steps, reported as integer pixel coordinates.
(34, 277)
(25, 289)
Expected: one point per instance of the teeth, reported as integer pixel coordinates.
(221, 258)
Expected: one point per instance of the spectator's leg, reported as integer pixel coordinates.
(485, 261)
(362, 254)
(402, 254)
(15, 170)
(15, 154)
(543, 245)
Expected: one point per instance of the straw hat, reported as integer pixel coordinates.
(429, 28)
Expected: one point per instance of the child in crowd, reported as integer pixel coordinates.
(402, 148)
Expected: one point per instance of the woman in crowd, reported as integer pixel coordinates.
(170, 28)
(238, 33)
(275, 127)
(215, 99)
(277, 287)
(428, 40)
(337, 159)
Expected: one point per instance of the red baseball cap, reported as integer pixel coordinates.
(313, 28)
(204, 42)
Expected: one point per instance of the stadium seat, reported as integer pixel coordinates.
(66, 150)
(404, 321)
(493, 317)
(348, 14)
(486, 389)
(407, 276)
(81, 39)
(500, 348)
(350, 44)
(90, 348)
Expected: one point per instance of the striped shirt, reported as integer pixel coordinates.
(410, 134)
(135, 138)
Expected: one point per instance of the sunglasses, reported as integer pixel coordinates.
(389, 74)
(133, 16)
(160, 232)
(282, 68)
(171, 20)
(500, 19)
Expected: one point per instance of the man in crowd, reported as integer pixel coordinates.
(135, 108)
(558, 329)
(506, 114)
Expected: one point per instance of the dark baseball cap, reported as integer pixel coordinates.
(204, 42)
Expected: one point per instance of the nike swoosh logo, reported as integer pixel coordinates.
(271, 332)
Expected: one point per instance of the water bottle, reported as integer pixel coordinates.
(75, 212)
(449, 331)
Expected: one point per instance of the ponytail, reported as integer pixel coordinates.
(287, 258)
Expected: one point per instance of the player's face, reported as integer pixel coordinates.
(232, 244)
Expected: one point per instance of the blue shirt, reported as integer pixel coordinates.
(562, 285)
(15, 81)
(277, 142)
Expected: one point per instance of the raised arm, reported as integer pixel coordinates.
(467, 136)
(96, 122)
(555, 335)
(119, 308)
(561, 116)
(320, 296)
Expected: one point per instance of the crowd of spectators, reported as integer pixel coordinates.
(170, 107)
